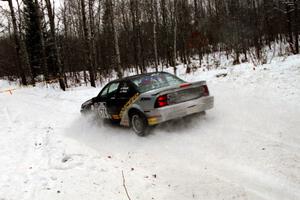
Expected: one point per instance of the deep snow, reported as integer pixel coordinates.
(247, 147)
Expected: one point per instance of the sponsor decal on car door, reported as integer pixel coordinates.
(128, 104)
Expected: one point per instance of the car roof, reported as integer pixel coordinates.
(138, 76)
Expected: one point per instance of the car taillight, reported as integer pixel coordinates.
(205, 90)
(161, 101)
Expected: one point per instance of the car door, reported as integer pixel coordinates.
(104, 105)
(125, 92)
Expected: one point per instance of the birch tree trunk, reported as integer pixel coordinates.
(140, 48)
(289, 27)
(296, 10)
(92, 29)
(118, 68)
(154, 11)
(175, 36)
(87, 44)
(135, 35)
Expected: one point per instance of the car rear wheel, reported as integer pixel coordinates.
(139, 124)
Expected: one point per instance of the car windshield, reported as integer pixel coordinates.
(155, 81)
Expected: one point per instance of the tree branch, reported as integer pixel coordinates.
(125, 188)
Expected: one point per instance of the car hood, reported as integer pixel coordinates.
(87, 103)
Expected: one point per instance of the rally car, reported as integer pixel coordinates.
(146, 100)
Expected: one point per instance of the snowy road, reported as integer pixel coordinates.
(247, 147)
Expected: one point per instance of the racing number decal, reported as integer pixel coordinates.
(102, 110)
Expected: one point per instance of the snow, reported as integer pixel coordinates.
(247, 147)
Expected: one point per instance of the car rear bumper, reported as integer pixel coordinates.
(167, 113)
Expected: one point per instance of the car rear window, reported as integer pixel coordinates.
(155, 81)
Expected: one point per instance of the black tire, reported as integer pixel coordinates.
(139, 124)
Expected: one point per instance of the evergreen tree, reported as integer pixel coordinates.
(33, 36)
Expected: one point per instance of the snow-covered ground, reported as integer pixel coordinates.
(247, 147)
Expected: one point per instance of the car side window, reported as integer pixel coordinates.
(108, 90)
(126, 90)
(104, 91)
(113, 88)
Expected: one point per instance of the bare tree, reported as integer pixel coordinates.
(175, 36)
(101, 36)
(87, 39)
(22, 58)
(296, 32)
(116, 40)
(42, 41)
(154, 18)
(57, 59)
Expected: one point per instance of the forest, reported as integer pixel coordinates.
(45, 40)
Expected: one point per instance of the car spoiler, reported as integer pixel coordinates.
(178, 87)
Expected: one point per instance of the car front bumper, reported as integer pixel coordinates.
(183, 109)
